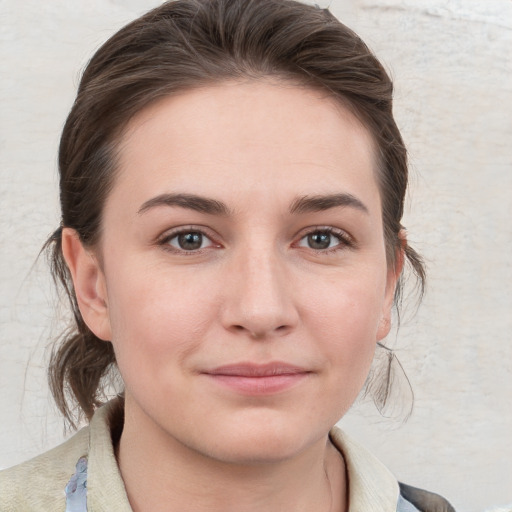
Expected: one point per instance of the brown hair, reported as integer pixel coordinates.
(192, 43)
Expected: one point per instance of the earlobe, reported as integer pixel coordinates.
(88, 282)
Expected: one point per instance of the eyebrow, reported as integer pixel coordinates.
(189, 201)
(306, 204)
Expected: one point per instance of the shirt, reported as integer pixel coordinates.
(82, 475)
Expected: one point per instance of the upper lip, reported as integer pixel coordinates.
(256, 370)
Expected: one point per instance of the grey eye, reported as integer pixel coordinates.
(320, 240)
(189, 241)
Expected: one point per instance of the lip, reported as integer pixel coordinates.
(258, 379)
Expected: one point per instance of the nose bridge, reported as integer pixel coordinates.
(260, 301)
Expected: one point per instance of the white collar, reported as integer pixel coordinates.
(371, 486)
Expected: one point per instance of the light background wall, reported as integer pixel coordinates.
(452, 65)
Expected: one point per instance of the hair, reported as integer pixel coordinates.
(185, 44)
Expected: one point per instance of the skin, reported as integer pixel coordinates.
(257, 290)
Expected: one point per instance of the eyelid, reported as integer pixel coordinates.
(346, 240)
(166, 236)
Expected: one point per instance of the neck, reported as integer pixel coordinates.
(162, 474)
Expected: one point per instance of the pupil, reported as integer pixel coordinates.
(190, 241)
(319, 240)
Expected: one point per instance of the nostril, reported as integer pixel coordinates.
(281, 329)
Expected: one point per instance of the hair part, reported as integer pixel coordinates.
(185, 44)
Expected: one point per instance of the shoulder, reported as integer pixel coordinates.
(42, 483)
(39, 483)
(425, 501)
(373, 487)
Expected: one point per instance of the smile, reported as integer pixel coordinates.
(253, 380)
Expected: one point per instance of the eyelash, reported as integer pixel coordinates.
(165, 240)
(345, 240)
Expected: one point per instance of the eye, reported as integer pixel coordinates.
(324, 239)
(190, 240)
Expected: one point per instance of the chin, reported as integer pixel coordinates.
(260, 450)
(261, 442)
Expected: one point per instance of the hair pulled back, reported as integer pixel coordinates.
(186, 44)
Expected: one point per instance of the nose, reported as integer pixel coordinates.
(258, 296)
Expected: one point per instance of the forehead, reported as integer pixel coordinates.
(249, 137)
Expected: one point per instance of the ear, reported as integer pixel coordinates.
(392, 278)
(89, 284)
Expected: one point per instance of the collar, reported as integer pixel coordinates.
(105, 487)
(370, 484)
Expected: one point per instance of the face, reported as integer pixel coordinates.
(243, 278)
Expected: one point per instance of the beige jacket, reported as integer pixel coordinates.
(38, 485)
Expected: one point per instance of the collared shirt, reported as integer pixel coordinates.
(82, 475)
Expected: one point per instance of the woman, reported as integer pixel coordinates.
(232, 186)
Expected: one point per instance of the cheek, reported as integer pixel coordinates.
(345, 320)
(155, 314)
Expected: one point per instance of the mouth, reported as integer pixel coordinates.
(258, 379)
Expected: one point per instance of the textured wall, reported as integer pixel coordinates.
(452, 64)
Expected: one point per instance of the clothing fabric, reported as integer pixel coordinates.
(81, 475)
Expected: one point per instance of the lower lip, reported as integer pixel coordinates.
(259, 386)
